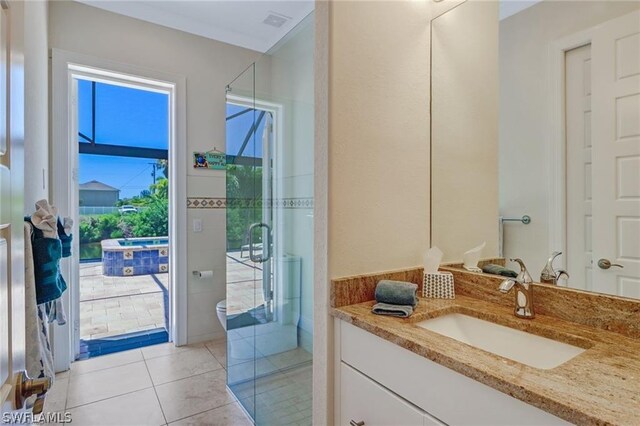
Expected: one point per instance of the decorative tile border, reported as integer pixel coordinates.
(223, 203)
(206, 203)
(294, 203)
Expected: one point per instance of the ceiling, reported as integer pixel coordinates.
(511, 7)
(238, 22)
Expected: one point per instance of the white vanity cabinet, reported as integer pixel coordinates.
(380, 383)
(366, 403)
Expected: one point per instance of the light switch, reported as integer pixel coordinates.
(197, 225)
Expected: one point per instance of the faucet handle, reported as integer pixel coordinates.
(524, 276)
(553, 256)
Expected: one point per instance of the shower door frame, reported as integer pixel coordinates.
(277, 112)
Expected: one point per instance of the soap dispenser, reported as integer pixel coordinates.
(550, 275)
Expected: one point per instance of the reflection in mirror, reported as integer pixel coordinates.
(568, 145)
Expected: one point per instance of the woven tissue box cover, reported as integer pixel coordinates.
(438, 285)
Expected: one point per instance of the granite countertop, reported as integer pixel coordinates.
(600, 386)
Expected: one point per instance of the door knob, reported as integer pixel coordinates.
(26, 387)
(606, 264)
(354, 423)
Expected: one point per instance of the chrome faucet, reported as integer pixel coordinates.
(523, 291)
(550, 275)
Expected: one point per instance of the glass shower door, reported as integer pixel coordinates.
(270, 232)
(244, 244)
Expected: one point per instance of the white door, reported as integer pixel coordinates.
(579, 147)
(615, 86)
(12, 324)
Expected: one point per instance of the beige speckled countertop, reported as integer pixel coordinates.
(601, 386)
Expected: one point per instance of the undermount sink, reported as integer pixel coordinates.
(526, 348)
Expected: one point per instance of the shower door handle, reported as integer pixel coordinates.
(266, 245)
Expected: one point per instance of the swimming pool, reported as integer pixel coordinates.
(136, 242)
(135, 256)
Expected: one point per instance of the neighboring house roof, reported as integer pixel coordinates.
(94, 185)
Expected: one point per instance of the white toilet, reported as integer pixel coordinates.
(239, 349)
(246, 339)
(221, 310)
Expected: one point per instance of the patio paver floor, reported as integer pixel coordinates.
(111, 306)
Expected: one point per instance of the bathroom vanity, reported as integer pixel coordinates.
(396, 371)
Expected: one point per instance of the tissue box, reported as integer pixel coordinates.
(438, 285)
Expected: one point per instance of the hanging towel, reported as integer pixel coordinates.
(55, 312)
(39, 358)
(64, 234)
(47, 253)
(46, 219)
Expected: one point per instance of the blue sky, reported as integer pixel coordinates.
(124, 116)
(133, 117)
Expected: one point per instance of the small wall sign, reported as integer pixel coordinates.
(217, 160)
(213, 160)
(200, 160)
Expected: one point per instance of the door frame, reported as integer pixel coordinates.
(64, 172)
(556, 138)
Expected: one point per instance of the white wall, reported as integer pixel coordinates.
(378, 136)
(524, 118)
(208, 67)
(36, 70)
(464, 144)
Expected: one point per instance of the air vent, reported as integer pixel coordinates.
(275, 20)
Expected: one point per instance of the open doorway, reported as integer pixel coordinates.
(123, 206)
(68, 70)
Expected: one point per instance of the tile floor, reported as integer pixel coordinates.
(164, 384)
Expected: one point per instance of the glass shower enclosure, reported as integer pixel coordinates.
(269, 175)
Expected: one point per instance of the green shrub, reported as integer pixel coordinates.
(152, 220)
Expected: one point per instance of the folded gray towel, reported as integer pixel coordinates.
(402, 311)
(494, 269)
(396, 293)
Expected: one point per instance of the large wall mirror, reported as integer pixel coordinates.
(536, 137)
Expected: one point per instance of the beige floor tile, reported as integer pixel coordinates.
(63, 374)
(246, 370)
(194, 395)
(166, 349)
(137, 408)
(290, 358)
(184, 364)
(56, 399)
(227, 415)
(219, 350)
(106, 361)
(102, 384)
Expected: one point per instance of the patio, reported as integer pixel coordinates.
(244, 284)
(111, 306)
